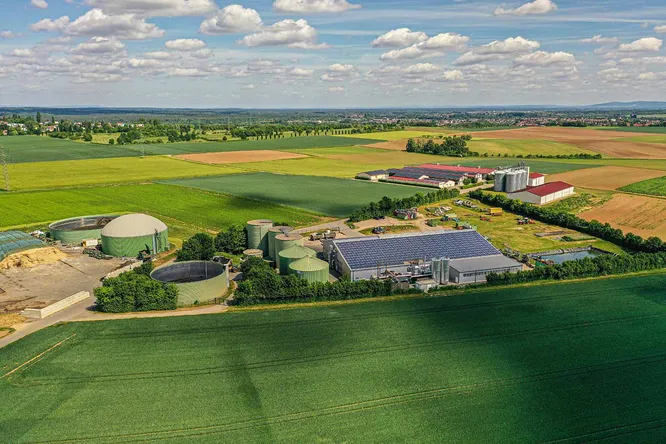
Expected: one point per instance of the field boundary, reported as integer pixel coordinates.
(39, 356)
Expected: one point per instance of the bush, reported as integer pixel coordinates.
(386, 206)
(232, 241)
(135, 291)
(200, 247)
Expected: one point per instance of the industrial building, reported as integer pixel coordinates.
(543, 194)
(461, 256)
(428, 175)
(197, 281)
(76, 230)
(129, 235)
(510, 180)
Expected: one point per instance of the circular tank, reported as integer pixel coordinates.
(197, 281)
(257, 234)
(129, 235)
(284, 241)
(253, 252)
(311, 269)
(75, 230)
(272, 232)
(292, 254)
(499, 181)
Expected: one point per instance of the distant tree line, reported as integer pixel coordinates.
(546, 156)
(387, 205)
(455, 146)
(573, 222)
(262, 285)
(136, 291)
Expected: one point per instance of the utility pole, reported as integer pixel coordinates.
(5, 168)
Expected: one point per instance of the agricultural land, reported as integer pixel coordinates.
(531, 358)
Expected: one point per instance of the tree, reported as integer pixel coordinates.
(112, 142)
(232, 241)
(87, 137)
(200, 247)
(38, 119)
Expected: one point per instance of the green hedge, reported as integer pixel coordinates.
(386, 206)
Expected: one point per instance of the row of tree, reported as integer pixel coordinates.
(136, 291)
(567, 220)
(387, 205)
(202, 246)
(603, 265)
(262, 285)
(455, 146)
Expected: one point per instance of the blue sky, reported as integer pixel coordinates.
(330, 53)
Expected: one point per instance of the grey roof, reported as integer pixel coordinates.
(376, 172)
(483, 263)
(133, 225)
(373, 251)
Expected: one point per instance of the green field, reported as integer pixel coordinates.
(524, 147)
(645, 139)
(324, 195)
(634, 129)
(393, 135)
(21, 149)
(542, 166)
(576, 362)
(654, 187)
(47, 175)
(184, 209)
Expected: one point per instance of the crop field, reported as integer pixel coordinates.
(22, 149)
(642, 215)
(246, 145)
(634, 129)
(648, 139)
(394, 135)
(47, 175)
(180, 205)
(240, 156)
(324, 195)
(524, 147)
(654, 187)
(611, 178)
(541, 166)
(412, 370)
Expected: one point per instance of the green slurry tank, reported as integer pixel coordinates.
(127, 236)
(311, 269)
(75, 230)
(257, 234)
(272, 233)
(292, 254)
(197, 281)
(284, 241)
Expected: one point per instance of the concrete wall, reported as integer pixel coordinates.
(42, 313)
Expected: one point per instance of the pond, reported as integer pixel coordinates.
(572, 256)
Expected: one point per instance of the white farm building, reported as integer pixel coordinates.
(543, 194)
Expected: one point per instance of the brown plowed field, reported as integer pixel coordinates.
(394, 145)
(239, 156)
(605, 178)
(644, 216)
(624, 149)
(558, 134)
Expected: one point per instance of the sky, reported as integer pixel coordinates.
(330, 53)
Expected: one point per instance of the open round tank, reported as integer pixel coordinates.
(197, 281)
(75, 230)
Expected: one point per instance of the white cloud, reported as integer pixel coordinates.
(160, 55)
(291, 33)
(249, 86)
(99, 45)
(338, 72)
(300, 72)
(398, 38)
(421, 68)
(601, 40)
(660, 29)
(41, 4)
(313, 6)
(187, 72)
(27, 52)
(155, 8)
(543, 58)
(430, 47)
(231, 19)
(497, 50)
(647, 44)
(202, 54)
(612, 75)
(336, 89)
(7, 34)
(99, 24)
(648, 76)
(535, 7)
(185, 44)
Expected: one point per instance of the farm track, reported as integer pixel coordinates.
(408, 345)
(371, 404)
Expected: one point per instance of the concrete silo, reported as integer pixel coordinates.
(292, 254)
(272, 233)
(311, 269)
(257, 234)
(127, 236)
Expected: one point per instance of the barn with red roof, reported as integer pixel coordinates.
(543, 194)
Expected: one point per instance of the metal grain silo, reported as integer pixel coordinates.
(511, 182)
(293, 254)
(523, 176)
(500, 177)
(257, 234)
(272, 232)
(311, 269)
(284, 241)
(129, 235)
(445, 263)
(436, 268)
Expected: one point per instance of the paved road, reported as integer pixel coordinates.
(340, 224)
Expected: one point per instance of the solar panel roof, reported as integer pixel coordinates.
(369, 252)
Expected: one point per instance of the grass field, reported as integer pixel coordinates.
(394, 135)
(647, 139)
(21, 149)
(182, 208)
(524, 147)
(542, 166)
(634, 129)
(325, 195)
(47, 175)
(414, 370)
(654, 187)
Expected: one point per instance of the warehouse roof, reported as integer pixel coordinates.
(536, 175)
(376, 172)
(133, 225)
(549, 188)
(373, 251)
(458, 168)
(485, 263)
